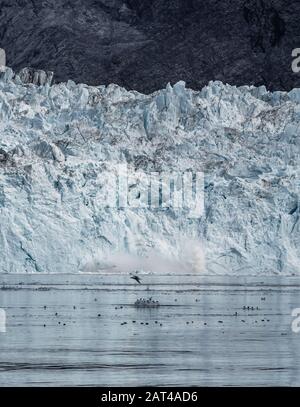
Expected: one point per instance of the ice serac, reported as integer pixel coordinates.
(35, 76)
(58, 143)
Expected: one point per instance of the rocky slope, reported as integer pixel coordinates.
(60, 147)
(144, 44)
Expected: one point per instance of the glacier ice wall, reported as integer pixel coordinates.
(57, 142)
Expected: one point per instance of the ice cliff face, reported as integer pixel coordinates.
(57, 143)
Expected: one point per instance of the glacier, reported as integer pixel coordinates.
(58, 142)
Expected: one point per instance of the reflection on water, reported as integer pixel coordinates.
(85, 330)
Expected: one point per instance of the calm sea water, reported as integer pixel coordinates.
(85, 330)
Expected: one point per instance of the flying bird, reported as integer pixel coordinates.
(136, 278)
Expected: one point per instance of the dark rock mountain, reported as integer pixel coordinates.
(144, 44)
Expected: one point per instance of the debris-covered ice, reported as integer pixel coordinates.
(59, 142)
